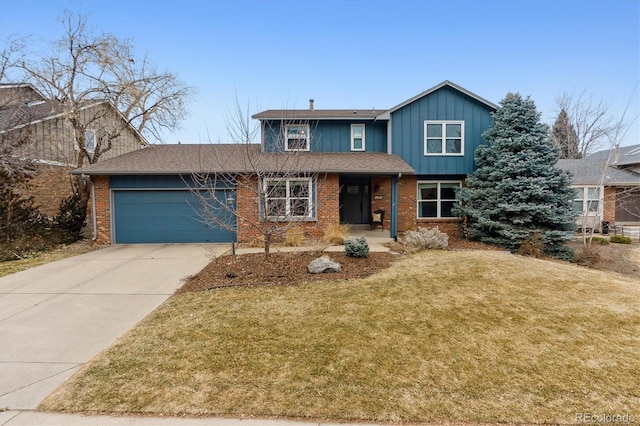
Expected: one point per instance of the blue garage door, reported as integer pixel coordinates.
(163, 216)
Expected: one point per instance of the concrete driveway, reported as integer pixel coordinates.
(56, 317)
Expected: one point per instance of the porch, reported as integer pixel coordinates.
(376, 236)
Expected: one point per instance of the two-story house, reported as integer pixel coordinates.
(407, 161)
(37, 128)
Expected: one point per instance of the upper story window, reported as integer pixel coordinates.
(296, 137)
(436, 199)
(288, 198)
(586, 200)
(443, 137)
(357, 137)
(90, 140)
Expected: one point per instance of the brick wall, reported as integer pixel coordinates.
(49, 187)
(609, 208)
(327, 209)
(103, 209)
(407, 199)
(381, 198)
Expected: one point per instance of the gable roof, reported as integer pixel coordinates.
(241, 158)
(625, 155)
(350, 114)
(314, 114)
(588, 171)
(37, 110)
(387, 114)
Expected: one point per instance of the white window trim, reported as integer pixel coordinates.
(288, 215)
(444, 138)
(438, 200)
(353, 148)
(286, 137)
(585, 200)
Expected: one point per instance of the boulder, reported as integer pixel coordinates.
(322, 265)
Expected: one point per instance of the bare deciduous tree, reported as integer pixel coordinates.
(615, 133)
(103, 71)
(592, 121)
(274, 189)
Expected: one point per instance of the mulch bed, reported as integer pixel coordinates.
(290, 268)
(281, 268)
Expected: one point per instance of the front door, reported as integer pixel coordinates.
(355, 200)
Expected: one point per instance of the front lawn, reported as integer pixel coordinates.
(441, 336)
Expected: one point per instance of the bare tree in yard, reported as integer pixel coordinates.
(85, 70)
(16, 210)
(591, 121)
(614, 135)
(276, 188)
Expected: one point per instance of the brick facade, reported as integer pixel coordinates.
(407, 202)
(49, 187)
(103, 208)
(327, 209)
(609, 208)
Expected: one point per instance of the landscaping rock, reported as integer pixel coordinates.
(322, 265)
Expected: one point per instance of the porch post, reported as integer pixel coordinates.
(393, 229)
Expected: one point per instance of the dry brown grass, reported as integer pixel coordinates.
(295, 237)
(59, 253)
(441, 336)
(335, 234)
(621, 258)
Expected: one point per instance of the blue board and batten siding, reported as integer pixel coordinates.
(332, 135)
(161, 209)
(407, 131)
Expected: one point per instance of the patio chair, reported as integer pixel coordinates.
(377, 219)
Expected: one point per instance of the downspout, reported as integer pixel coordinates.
(93, 210)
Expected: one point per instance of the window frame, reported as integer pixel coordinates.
(438, 199)
(307, 129)
(288, 216)
(353, 138)
(585, 200)
(88, 148)
(443, 138)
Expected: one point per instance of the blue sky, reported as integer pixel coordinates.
(364, 54)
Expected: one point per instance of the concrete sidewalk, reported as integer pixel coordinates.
(56, 317)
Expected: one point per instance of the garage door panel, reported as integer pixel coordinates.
(162, 217)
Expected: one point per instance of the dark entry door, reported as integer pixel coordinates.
(355, 200)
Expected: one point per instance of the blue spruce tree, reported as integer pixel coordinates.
(518, 196)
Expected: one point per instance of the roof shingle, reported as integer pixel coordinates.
(242, 158)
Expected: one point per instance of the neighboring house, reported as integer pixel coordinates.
(40, 131)
(408, 161)
(607, 187)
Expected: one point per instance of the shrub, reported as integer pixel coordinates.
(620, 239)
(588, 256)
(336, 233)
(600, 241)
(356, 248)
(71, 218)
(294, 237)
(426, 238)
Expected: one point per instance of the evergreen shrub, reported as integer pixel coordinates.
(620, 239)
(356, 248)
